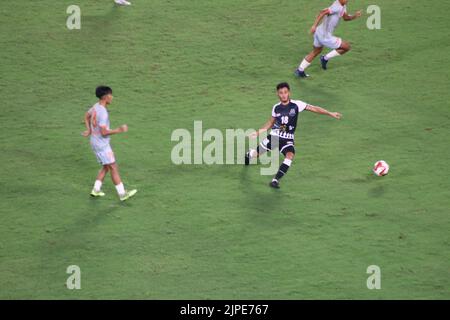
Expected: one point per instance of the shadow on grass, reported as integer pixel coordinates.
(106, 19)
(376, 189)
(258, 195)
(65, 242)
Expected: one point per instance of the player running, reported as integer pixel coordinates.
(283, 124)
(323, 36)
(97, 127)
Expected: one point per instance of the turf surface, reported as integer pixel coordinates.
(219, 231)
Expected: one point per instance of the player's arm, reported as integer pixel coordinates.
(320, 110)
(319, 18)
(348, 17)
(87, 123)
(269, 124)
(107, 132)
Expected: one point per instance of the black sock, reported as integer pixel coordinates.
(283, 169)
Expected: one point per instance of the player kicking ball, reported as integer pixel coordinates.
(97, 127)
(323, 36)
(283, 124)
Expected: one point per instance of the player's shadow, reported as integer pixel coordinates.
(100, 21)
(58, 241)
(323, 90)
(256, 197)
(101, 26)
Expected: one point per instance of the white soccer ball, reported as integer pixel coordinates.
(381, 168)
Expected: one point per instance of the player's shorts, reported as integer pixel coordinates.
(105, 155)
(328, 41)
(274, 142)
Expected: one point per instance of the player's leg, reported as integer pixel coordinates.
(101, 174)
(115, 176)
(344, 48)
(317, 49)
(263, 147)
(339, 47)
(97, 190)
(289, 153)
(306, 62)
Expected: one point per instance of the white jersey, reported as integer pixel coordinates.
(99, 117)
(331, 21)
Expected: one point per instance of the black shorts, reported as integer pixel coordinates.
(284, 145)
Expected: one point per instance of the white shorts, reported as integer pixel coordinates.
(105, 156)
(331, 42)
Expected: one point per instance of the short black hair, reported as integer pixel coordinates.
(283, 85)
(102, 91)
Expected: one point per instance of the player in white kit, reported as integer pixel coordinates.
(324, 36)
(97, 128)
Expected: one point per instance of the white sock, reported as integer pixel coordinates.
(120, 189)
(287, 162)
(97, 186)
(305, 64)
(332, 54)
(253, 153)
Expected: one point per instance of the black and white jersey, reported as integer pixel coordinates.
(286, 117)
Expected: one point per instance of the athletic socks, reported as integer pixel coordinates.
(283, 169)
(305, 64)
(97, 186)
(120, 189)
(332, 54)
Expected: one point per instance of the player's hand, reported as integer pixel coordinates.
(336, 115)
(86, 133)
(253, 135)
(313, 30)
(124, 128)
(358, 14)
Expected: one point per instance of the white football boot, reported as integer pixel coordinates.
(122, 2)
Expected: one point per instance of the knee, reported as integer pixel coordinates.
(347, 46)
(290, 156)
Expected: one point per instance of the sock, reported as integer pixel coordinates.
(283, 169)
(260, 151)
(120, 189)
(252, 153)
(305, 64)
(332, 54)
(97, 185)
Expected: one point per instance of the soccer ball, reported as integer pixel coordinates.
(381, 168)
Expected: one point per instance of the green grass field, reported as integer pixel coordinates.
(219, 232)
